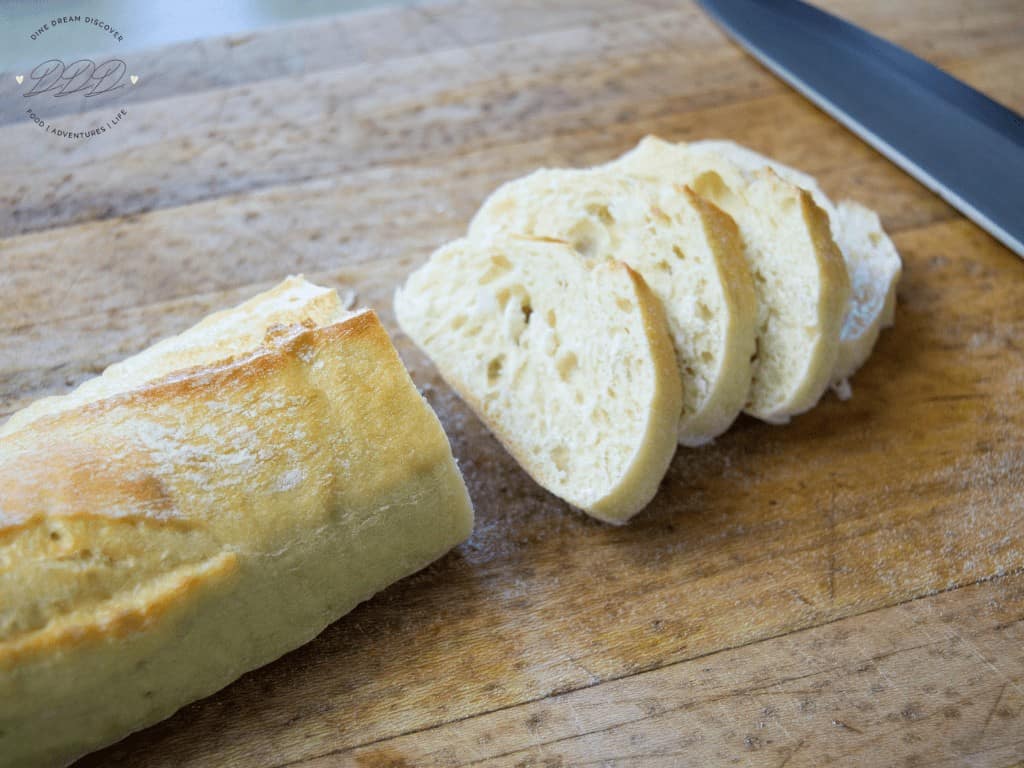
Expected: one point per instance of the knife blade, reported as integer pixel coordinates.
(956, 141)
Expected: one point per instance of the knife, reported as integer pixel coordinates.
(959, 143)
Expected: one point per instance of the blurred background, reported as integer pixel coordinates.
(151, 24)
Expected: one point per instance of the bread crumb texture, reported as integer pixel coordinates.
(567, 361)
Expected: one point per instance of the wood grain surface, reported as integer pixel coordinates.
(847, 589)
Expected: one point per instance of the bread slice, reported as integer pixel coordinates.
(872, 262)
(799, 275)
(688, 252)
(159, 541)
(567, 361)
(875, 268)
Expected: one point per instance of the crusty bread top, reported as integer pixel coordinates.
(216, 337)
(118, 509)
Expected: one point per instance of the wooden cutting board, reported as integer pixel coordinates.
(846, 589)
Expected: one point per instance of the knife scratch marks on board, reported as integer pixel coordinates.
(799, 597)
(592, 678)
(993, 708)
(580, 729)
(955, 637)
(845, 727)
(777, 719)
(866, 655)
(789, 755)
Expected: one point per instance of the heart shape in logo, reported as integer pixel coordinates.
(19, 78)
(134, 79)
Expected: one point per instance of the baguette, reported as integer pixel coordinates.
(216, 337)
(872, 261)
(160, 538)
(799, 275)
(567, 361)
(687, 250)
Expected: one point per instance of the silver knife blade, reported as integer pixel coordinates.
(959, 143)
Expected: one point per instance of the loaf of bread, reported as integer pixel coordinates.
(801, 280)
(687, 250)
(567, 360)
(204, 508)
(872, 262)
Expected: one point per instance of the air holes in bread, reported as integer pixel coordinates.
(712, 187)
(499, 265)
(517, 317)
(586, 238)
(567, 365)
(526, 309)
(560, 456)
(494, 369)
(602, 214)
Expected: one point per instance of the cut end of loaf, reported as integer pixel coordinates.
(567, 362)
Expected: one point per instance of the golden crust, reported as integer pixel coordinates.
(51, 479)
(216, 339)
(116, 621)
(281, 345)
(238, 506)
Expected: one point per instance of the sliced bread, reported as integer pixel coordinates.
(568, 361)
(799, 275)
(872, 262)
(687, 250)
